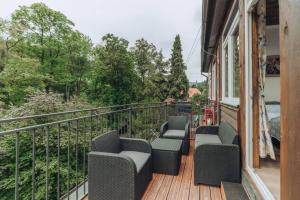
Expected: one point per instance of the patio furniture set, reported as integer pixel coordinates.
(121, 168)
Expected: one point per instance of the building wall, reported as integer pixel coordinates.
(272, 89)
(230, 115)
(272, 84)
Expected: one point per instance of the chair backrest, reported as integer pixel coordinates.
(177, 122)
(227, 134)
(108, 142)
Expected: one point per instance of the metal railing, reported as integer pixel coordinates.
(45, 156)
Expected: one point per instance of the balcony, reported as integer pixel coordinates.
(45, 156)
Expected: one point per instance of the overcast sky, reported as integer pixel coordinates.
(158, 21)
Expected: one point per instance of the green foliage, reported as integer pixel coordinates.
(152, 70)
(178, 79)
(114, 75)
(19, 79)
(37, 104)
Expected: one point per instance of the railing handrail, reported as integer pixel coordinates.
(26, 128)
(12, 119)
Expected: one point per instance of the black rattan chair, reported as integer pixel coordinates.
(177, 127)
(119, 168)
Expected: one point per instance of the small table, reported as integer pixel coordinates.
(166, 155)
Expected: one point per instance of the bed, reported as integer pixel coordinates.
(273, 110)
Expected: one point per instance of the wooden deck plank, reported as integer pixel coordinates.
(149, 188)
(175, 187)
(194, 189)
(215, 193)
(205, 192)
(165, 187)
(155, 187)
(186, 179)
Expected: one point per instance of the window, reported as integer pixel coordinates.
(231, 65)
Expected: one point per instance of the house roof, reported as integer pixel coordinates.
(193, 91)
(213, 15)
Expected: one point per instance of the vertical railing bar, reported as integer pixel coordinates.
(112, 120)
(33, 165)
(118, 121)
(58, 161)
(102, 123)
(68, 176)
(97, 125)
(122, 122)
(84, 143)
(17, 173)
(130, 120)
(47, 161)
(106, 122)
(91, 132)
(76, 146)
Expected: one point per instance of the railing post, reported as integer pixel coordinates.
(130, 118)
(17, 166)
(166, 106)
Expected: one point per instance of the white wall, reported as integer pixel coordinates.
(272, 85)
(272, 89)
(272, 34)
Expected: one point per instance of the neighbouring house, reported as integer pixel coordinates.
(251, 54)
(193, 91)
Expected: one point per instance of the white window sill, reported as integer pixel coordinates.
(235, 102)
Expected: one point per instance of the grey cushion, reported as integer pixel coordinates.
(227, 134)
(166, 144)
(108, 142)
(174, 134)
(207, 139)
(177, 122)
(139, 158)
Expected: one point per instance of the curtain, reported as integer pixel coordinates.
(265, 142)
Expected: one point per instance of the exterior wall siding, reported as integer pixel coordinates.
(230, 115)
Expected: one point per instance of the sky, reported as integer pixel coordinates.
(157, 21)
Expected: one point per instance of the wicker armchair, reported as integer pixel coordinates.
(119, 168)
(177, 127)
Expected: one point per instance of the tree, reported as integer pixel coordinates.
(159, 79)
(43, 36)
(115, 79)
(19, 79)
(178, 79)
(78, 52)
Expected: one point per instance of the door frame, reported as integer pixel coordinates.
(251, 91)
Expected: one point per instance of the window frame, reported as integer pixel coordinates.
(228, 43)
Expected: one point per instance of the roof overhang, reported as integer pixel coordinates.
(213, 18)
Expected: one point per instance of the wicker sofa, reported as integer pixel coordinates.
(177, 127)
(119, 168)
(216, 155)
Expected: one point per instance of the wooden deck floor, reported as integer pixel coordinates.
(181, 187)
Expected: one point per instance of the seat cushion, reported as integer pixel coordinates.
(139, 158)
(174, 134)
(207, 139)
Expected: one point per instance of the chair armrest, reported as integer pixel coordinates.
(133, 144)
(164, 127)
(187, 129)
(207, 130)
(109, 172)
